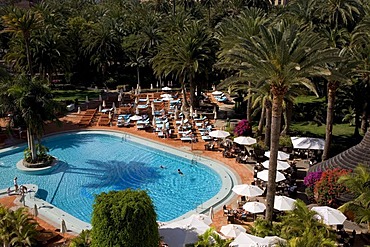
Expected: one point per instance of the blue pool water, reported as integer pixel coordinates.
(95, 163)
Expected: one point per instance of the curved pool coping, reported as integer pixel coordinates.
(39, 170)
(228, 177)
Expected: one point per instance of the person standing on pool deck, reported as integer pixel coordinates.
(15, 184)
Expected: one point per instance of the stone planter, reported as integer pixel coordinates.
(39, 164)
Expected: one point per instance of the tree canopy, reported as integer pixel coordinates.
(124, 218)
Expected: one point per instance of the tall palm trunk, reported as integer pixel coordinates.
(249, 103)
(274, 147)
(287, 117)
(28, 54)
(31, 144)
(268, 123)
(364, 118)
(183, 89)
(138, 75)
(332, 88)
(262, 121)
(192, 92)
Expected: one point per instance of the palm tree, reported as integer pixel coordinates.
(358, 183)
(300, 220)
(284, 57)
(212, 238)
(185, 55)
(340, 13)
(17, 228)
(24, 228)
(102, 44)
(22, 22)
(32, 99)
(82, 240)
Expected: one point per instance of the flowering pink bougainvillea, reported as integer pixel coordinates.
(243, 128)
(311, 179)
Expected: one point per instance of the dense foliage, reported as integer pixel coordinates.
(243, 128)
(327, 189)
(310, 181)
(124, 218)
(299, 227)
(17, 228)
(358, 184)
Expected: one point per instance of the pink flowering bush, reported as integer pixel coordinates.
(310, 181)
(243, 128)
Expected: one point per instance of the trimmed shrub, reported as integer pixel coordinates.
(124, 218)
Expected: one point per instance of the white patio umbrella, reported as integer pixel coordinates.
(274, 240)
(245, 140)
(151, 86)
(264, 175)
(284, 203)
(247, 190)
(113, 105)
(119, 98)
(281, 155)
(254, 207)
(308, 143)
(281, 165)
(103, 104)
(219, 134)
(216, 93)
(135, 117)
(99, 108)
(166, 88)
(136, 100)
(232, 230)
(245, 239)
(137, 112)
(178, 236)
(198, 222)
(202, 217)
(330, 216)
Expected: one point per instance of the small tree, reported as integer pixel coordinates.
(327, 189)
(124, 218)
(243, 128)
(310, 180)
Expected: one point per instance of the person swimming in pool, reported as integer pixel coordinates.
(180, 172)
(162, 167)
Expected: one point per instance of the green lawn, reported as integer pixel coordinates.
(311, 129)
(308, 99)
(61, 95)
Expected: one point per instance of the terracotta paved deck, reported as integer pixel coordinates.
(70, 122)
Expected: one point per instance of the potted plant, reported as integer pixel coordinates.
(43, 159)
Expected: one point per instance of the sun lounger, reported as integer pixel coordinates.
(187, 139)
(207, 138)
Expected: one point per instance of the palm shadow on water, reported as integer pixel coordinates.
(68, 143)
(117, 174)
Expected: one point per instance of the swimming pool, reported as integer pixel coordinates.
(91, 163)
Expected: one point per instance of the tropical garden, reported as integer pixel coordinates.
(269, 56)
